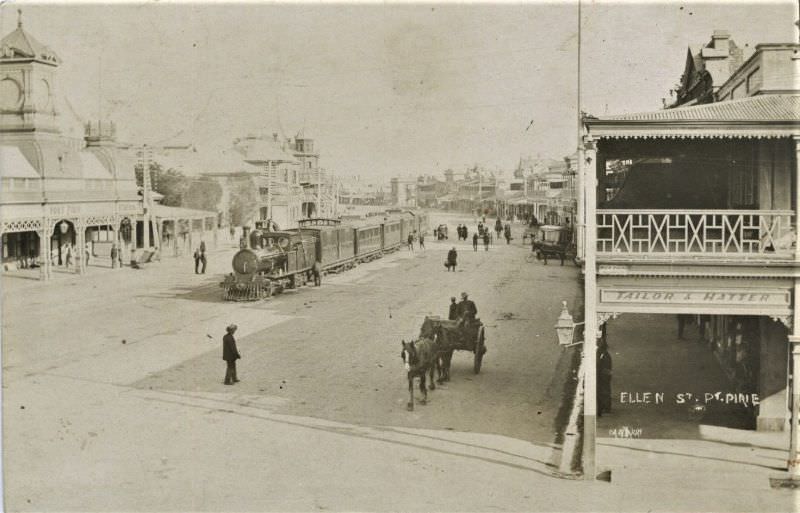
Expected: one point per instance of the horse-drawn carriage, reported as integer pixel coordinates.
(434, 349)
(450, 336)
(552, 241)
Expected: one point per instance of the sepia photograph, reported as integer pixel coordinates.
(296, 256)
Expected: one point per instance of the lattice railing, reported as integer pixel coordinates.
(695, 232)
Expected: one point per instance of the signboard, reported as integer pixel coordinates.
(63, 210)
(708, 297)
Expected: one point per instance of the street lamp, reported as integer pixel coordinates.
(565, 327)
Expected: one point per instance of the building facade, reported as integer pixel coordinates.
(63, 199)
(704, 225)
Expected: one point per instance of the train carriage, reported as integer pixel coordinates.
(392, 234)
(367, 241)
(334, 247)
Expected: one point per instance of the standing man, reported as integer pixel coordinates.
(88, 251)
(486, 240)
(682, 320)
(603, 378)
(114, 255)
(230, 354)
(203, 255)
(475, 241)
(411, 242)
(507, 233)
(498, 227)
(422, 241)
(316, 270)
(196, 261)
(453, 314)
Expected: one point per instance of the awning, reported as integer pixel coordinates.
(765, 116)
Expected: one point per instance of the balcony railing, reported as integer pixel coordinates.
(695, 232)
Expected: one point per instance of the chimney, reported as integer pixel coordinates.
(720, 40)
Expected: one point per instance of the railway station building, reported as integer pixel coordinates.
(703, 229)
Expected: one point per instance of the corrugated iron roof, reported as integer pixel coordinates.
(773, 107)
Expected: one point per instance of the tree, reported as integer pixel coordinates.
(172, 184)
(243, 202)
(203, 194)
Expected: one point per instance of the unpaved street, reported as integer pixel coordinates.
(114, 399)
(338, 357)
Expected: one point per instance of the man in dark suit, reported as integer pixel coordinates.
(466, 310)
(453, 314)
(604, 373)
(230, 354)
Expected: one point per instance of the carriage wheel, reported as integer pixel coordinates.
(480, 348)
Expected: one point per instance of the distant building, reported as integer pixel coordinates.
(403, 192)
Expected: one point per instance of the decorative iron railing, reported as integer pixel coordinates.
(695, 232)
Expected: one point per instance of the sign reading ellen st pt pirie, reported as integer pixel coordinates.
(732, 297)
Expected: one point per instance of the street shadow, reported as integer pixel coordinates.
(703, 457)
(358, 432)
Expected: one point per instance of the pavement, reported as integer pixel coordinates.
(113, 401)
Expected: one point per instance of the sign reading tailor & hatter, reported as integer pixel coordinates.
(732, 297)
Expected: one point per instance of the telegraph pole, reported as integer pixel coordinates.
(268, 174)
(145, 159)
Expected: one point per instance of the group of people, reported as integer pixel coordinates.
(418, 237)
(464, 311)
(462, 231)
(481, 234)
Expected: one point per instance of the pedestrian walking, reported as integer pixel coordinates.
(498, 227)
(475, 241)
(486, 240)
(230, 354)
(507, 232)
(452, 259)
(197, 261)
(603, 378)
(452, 315)
(422, 241)
(411, 242)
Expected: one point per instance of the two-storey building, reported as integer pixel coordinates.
(63, 198)
(705, 224)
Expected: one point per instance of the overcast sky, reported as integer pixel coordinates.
(383, 89)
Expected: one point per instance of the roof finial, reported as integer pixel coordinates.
(19, 18)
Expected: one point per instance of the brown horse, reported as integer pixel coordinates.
(420, 357)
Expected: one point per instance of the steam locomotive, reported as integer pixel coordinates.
(272, 261)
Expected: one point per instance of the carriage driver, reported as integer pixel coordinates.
(467, 310)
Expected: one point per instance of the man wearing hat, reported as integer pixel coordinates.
(466, 310)
(230, 354)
